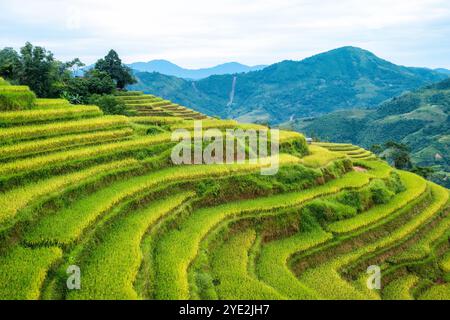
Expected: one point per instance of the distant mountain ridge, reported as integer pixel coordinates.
(339, 79)
(168, 68)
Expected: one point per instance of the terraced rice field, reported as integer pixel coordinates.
(144, 105)
(349, 150)
(78, 188)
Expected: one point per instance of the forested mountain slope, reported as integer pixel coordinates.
(344, 78)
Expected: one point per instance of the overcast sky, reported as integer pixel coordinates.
(200, 33)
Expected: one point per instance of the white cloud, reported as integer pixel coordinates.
(200, 32)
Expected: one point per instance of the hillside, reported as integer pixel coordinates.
(168, 68)
(444, 71)
(100, 193)
(339, 79)
(419, 119)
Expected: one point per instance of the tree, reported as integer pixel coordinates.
(79, 89)
(9, 63)
(425, 172)
(38, 70)
(113, 66)
(99, 82)
(109, 104)
(399, 154)
(376, 149)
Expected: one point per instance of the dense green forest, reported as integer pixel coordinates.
(419, 120)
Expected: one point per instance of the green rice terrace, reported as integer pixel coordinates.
(79, 188)
(140, 104)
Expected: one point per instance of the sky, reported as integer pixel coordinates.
(203, 33)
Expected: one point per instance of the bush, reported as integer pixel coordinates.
(109, 104)
(327, 211)
(296, 146)
(380, 193)
(3, 82)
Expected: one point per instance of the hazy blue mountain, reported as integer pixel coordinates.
(171, 69)
(343, 78)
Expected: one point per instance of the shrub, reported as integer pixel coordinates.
(109, 104)
(293, 143)
(3, 82)
(415, 186)
(380, 193)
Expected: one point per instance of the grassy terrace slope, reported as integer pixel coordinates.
(101, 192)
(140, 104)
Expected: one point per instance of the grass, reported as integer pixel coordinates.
(138, 230)
(445, 263)
(327, 282)
(14, 200)
(206, 124)
(229, 268)
(38, 163)
(400, 289)
(423, 247)
(157, 120)
(52, 144)
(272, 264)
(66, 127)
(30, 116)
(3, 82)
(179, 247)
(320, 157)
(415, 186)
(14, 89)
(113, 263)
(437, 292)
(51, 103)
(129, 93)
(67, 226)
(11, 99)
(23, 271)
(363, 155)
(334, 145)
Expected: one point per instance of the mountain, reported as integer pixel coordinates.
(419, 119)
(171, 69)
(442, 70)
(343, 78)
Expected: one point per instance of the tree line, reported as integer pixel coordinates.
(48, 77)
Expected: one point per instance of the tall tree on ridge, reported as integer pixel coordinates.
(112, 65)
